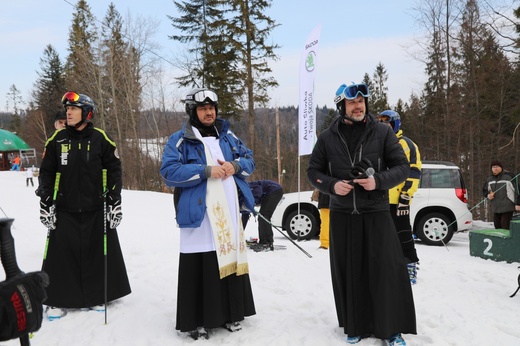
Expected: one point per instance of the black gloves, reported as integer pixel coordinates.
(363, 169)
(47, 212)
(403, 206)
(21, 309)
(114, 212)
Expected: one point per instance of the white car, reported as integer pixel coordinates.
(439, 207)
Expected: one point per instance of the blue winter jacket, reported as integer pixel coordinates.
(184, 167)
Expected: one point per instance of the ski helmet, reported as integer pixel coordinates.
(392, 117)
(350, 92)
(200, 97)
(82, 101)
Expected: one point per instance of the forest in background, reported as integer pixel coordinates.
(468, 111)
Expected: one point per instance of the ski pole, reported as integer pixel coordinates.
(56, 187)
(512, 295)
(285, 235)
(8, 254)
(3, 212)
(105, 237)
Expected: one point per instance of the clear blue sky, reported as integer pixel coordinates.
(355, 37)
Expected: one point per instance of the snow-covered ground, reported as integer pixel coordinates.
(459, 299)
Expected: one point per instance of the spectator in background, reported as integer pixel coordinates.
(401, 195)
(60, 120)
(267, 194)
(29, 174)
(501, 188)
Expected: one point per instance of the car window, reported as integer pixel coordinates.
(440, 178)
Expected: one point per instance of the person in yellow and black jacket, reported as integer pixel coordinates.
(401, 195)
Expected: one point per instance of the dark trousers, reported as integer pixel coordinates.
(502, 220)
(404, 232)
(267, 207)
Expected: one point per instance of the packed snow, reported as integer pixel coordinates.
(459, 299)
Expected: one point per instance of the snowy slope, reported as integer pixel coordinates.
(459, 299)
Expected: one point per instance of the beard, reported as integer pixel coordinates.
(355, 117)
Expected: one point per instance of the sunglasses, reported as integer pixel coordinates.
(203, 95)
(70, 96)
(350, 92)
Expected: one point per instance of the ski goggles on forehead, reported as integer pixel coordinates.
(352, 91)
(383, 118)
(70, 96)
(203, 95)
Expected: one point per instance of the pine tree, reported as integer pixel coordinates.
(379, 94)
(113, 50)
(250, 28)
(229, 50)
(368, 82)
(50, 87)
(481, 74)
(434, 98)
(82, 70)
(14, 95)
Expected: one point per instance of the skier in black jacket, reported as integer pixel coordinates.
(75, 220)
(356, 160)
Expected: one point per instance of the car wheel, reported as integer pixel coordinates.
(301, 226)
(433, 229)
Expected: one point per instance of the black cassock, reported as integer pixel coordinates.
(75, 262)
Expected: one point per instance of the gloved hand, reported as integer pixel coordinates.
(47, 213)
(114, 212)
(360, 169)
(21, 309)
(403, 206)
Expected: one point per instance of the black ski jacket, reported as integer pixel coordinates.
(331, 161)
(80, 157)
